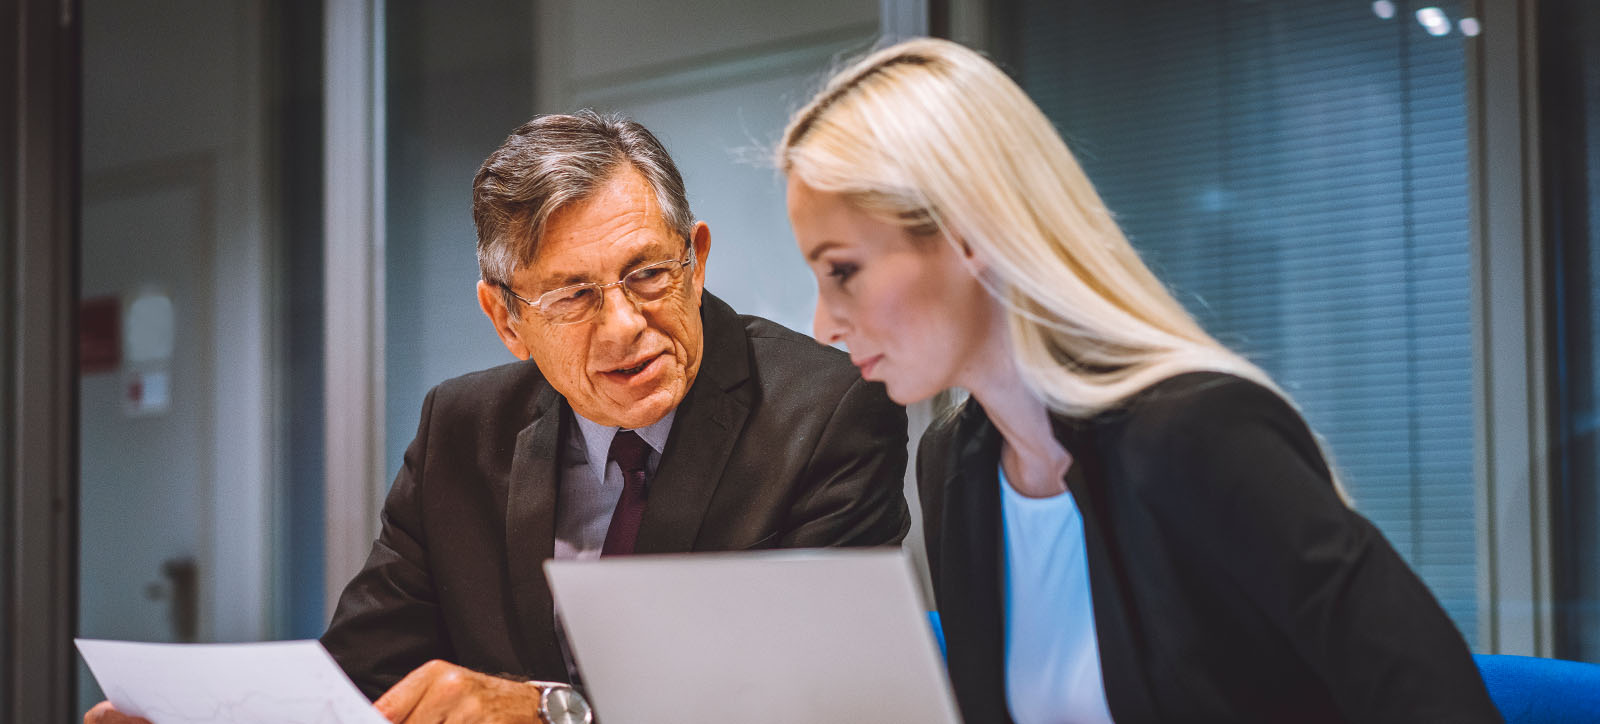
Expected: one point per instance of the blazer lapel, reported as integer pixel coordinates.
(530, 531)
(971, 596)
(1116, 624)
(704, 433)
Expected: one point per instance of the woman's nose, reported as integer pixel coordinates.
(825, 327)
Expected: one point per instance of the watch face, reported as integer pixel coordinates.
(563, 705)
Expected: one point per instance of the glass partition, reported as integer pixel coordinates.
(201, 304)
(1570, 92)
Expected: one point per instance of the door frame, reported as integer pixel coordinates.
(39, 154)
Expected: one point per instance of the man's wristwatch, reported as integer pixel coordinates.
(561, 704)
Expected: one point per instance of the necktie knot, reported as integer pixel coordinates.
(630, 451)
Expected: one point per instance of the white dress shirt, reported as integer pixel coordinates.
(590, 484)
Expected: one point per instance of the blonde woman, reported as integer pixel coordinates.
(1127, 521)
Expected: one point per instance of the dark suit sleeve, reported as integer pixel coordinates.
(933, 455)
(1247, 491)
(387, 621)
(857, 476)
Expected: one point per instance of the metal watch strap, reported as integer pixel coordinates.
(559, 703)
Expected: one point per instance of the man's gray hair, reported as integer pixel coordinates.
(555, 160)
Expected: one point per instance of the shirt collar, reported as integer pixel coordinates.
(597, 439)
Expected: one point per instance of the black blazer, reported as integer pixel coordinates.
(1230, 583)
(779, 443)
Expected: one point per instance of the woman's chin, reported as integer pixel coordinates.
(906, 394)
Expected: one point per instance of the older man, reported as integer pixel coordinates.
(651, 419)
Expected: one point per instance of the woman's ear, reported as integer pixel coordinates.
(969, 256)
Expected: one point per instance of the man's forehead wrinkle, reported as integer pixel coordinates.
(593, 253)
(624, 188)
(559, 276)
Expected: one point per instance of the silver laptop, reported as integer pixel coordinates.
(787, 637)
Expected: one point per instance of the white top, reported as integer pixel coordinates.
(1052, 656)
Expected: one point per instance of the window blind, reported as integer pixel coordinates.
(1297, 172)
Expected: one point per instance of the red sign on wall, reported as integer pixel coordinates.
(99, 335)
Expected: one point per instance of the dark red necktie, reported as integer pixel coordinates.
(631, 452)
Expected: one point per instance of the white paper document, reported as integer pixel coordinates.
(280, 682)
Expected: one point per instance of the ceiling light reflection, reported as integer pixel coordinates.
(1434, 21)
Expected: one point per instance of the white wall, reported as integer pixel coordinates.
(715, 81)
(460, 79)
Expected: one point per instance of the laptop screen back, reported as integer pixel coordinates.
(788, 637)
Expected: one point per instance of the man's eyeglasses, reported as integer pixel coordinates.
(580, 302)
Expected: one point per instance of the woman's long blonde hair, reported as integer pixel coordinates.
(932, 136)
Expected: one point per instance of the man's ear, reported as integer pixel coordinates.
(700, 239)
(494, 307)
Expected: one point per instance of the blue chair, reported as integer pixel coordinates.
(1527, 690)
(1531, 690)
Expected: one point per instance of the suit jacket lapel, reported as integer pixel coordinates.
(971, 596)
(530, 531)
(704, 433)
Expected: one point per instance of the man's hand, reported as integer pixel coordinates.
(439, 691)
(105, 713)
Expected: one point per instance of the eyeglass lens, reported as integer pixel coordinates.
(646, 284)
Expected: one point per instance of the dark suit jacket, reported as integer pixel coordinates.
(778, 443)
(1230, 583)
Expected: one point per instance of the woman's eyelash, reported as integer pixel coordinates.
(841, 272)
